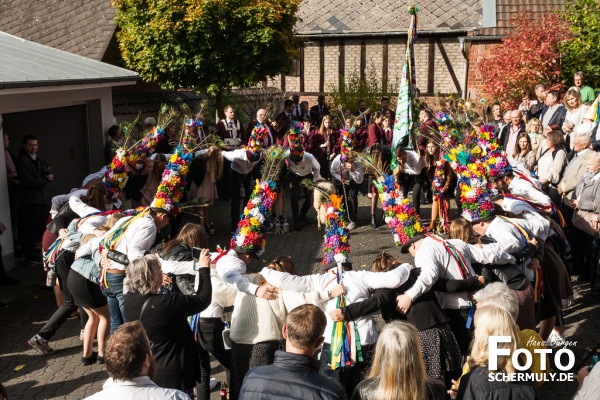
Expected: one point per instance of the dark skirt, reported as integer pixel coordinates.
(247, 356)
(86, 293)
(557, 284)
(440, 351)
(526, 317)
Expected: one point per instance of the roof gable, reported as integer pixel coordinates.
(369, 16)
(82, 27)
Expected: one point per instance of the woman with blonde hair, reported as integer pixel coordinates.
(536, 135)
(575, 112)
(494, 321)
(398, 371)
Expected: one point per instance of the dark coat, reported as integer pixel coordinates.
(165, 321)
(476, 385)
(317, 113)
(558, 118)
(291, 376)
(33, 178)
(505, 134)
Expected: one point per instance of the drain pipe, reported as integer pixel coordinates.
(466, 66)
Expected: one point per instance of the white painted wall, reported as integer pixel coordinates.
(28, 99)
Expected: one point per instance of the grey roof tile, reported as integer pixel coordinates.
(26, 64)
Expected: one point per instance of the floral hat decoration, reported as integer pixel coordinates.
(173, 183)
(295, 143)
(497, 164)
(145, 147)
(336, 246)
(249, 237)
(399, 213)
(191, 127)
(115, 176)
(255, 143)
(474, 191)
(347, 137)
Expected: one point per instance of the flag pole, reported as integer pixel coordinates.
(403, 124)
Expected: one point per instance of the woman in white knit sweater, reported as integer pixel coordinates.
(551, 164)
(256, 323)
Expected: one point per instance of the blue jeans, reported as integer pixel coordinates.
(114, 296)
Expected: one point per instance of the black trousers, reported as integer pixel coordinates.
(32, 222)
(349, 377)
(63, 267)
(238, 181)
(210, 342)
(405, 181)
(350, 197)
(324, 163)
(458, 324)
(295, 180)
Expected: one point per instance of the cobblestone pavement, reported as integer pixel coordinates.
(29, 375)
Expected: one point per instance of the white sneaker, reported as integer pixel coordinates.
(555, 340)
(351, 226)
(213, 383)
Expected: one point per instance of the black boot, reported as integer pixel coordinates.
(373, 223)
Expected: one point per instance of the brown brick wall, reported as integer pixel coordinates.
(477, 52)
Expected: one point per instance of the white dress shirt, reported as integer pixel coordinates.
(136, 241)
(357, 175)
(510, 240)
(359, 285)
(414, 163)
(140, 388)
(308, 165)
(239, 161)
(540, 227)
(520, 187)
(435, 262)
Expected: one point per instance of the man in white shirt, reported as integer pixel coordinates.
(240, 180)
(409, 172)
(305, 168)
(435, 259)
(131, 368)
(349, 176)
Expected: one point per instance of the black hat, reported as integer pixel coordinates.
(414, 239)
(346, 265)
(241, 250)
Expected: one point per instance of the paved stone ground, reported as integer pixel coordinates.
(28, 375)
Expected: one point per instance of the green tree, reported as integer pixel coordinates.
(207, 45)
(353, 88)
(581, 52)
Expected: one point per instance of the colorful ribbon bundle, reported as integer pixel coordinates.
(347, 143)
(250, 233)
(336, 246)
(398, 213)
(345, 342)
(145, 148)
(172, 187)
(295, 143)
(53, 251)
(115, 176)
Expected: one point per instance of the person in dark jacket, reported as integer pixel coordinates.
(295, 373)
(34, 174)
(489, 321)
(165, 319)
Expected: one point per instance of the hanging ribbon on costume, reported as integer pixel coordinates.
(538, 291)
(53, 251)
(95, 214)
(345, 347)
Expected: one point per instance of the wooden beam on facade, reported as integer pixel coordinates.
(384, 69)
(342, 62)
(321, 65)
(431, 66)
(363, 58)
(449, 66)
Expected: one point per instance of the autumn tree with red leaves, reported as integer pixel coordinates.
(528, 56)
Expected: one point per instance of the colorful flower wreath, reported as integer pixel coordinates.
(172, 187)
(250, 232)
(497, 164)
(295, 143)
(347, 143)
(474, 191)
(255, 143)
(336, 246)
(191, 129)
(115, 176)
(145, 148)
(398, 213)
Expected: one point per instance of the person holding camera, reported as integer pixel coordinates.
(33, 176)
